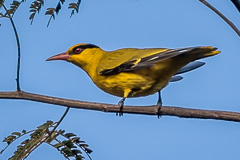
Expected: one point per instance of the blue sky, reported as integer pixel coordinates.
(113, 25)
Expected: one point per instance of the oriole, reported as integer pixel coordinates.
(132, 72)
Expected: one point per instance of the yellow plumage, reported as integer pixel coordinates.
(132, 72)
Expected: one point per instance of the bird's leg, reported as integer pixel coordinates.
(127, 92)
(159, 104)
(120, 104)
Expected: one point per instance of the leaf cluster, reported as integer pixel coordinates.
(13, 8)
(36, 6)
(70, 147)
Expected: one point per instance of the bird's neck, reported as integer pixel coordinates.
(91, 61)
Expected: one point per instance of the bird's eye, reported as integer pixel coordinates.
(78, 50)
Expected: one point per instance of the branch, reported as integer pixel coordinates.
(222, 16)
(58, 123)
(144, 110)
(18, 45)
(236, 4)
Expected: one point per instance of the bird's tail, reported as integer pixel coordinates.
(202, 52)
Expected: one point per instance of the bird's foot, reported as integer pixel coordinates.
(120, 113)
(158, 109)
(159, 105)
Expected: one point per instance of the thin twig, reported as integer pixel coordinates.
(236, 4)
(222, 16)
(58, 123)
(61, 119)
(49, 21)
(142, 110)
(18, 46)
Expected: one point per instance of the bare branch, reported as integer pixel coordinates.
(145, 110)
(222, 16)
(236, 4)
(58, 123)
(18, 46)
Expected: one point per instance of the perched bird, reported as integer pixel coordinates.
(132, 72)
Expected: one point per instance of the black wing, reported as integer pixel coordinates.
(145, 62)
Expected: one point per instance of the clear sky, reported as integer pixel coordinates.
(113, 25)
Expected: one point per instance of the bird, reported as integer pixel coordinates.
(135, 72)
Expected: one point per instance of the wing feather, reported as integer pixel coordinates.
(139, 61)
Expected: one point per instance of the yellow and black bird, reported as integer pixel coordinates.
(132, 72)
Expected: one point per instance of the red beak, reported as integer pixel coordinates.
(61, 56)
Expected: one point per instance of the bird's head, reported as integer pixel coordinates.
(77, 54)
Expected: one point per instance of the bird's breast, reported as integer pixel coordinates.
(142, 83)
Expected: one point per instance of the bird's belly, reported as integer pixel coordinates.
(140, 84)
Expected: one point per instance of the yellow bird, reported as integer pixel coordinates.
(132, 72)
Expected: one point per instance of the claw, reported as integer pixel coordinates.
(159, 105)
(120, 104)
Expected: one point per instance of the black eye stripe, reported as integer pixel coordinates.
(78, 49)
(85, 46)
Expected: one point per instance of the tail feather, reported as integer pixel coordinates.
(202, 52)
(190, 66)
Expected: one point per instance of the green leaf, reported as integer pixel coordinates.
(32, 16)
(50, 11)
(88, 150)
(11, 137)
(67, 151)
(49, 122)
(81, 142)
(72, 5)
(16, 133)
(58, 145)
(76, 151)
(76, 139)
(79, 157)
(25, 142)
(8, 141)
(20, 148)
(24, 131)
(68, 135)
(69, 144)
(61, 131)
